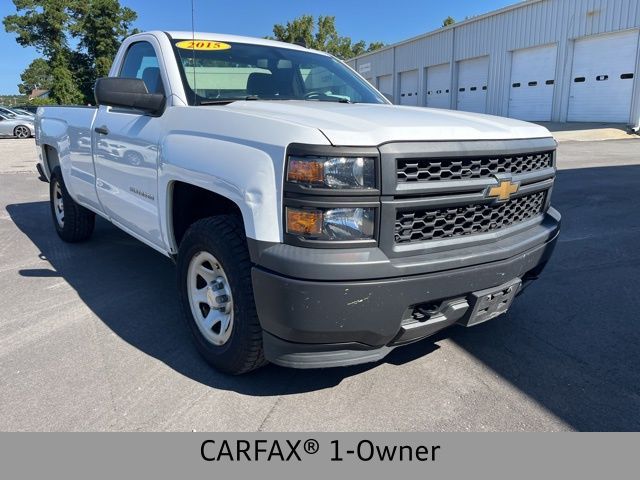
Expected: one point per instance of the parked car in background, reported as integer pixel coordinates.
(20, 111)
(29, 108)
(20, 127)
(8, 112)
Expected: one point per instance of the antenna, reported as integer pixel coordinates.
(193, 49)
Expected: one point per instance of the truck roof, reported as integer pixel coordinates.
(225, 37)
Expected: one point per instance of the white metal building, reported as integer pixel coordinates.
(540, 60)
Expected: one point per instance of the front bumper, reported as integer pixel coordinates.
(311, 323)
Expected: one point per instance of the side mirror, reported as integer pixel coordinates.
(128, 93)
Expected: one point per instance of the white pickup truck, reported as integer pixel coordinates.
(313, 223)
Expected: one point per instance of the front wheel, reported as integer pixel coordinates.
(216, 293)
(73, 222)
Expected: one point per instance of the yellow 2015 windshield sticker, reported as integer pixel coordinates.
(202, 45)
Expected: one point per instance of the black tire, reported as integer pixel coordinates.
(78, 223)
(223, 237)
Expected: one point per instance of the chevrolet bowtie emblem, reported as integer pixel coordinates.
(503, 190)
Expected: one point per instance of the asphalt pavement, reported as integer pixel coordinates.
(91, 339)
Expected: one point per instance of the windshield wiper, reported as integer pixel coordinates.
(330, 100)
(226, 101)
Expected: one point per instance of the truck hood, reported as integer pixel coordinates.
(371, 124)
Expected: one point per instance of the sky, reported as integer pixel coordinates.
(368, 20)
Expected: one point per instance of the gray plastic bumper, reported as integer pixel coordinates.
(318, 323)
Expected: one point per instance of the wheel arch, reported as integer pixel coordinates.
(238, 175)
(51, 159)
(188, 203)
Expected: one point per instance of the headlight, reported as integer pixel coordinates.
(338, 224)
(332, 172)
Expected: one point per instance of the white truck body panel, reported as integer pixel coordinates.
(370, 125)
(235, 150)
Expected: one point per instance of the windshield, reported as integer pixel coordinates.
(215, 72)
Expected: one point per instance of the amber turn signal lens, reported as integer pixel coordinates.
(305, 171)
(304, 222)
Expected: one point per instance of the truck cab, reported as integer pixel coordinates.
(313, 223)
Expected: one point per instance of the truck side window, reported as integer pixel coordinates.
(141, 62)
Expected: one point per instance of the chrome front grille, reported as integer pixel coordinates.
(472, 167)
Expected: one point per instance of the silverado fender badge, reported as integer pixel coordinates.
(141, 193)
(503, 191)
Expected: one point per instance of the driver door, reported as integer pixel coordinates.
(125, 146)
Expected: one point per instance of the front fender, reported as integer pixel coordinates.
(241, 173)
(233, 154)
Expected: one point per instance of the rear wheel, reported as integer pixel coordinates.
(21, 131)
(73, 222)
(214, 278)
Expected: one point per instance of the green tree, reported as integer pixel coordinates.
(321, 34)
(373, 46)
(64, 89)
(448, 21)
(44, 25)
(83, 74)
(11, 100)
(97, 26)
(36, 75)
(101, 26)
(37, 102)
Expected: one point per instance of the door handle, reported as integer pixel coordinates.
(102, 130)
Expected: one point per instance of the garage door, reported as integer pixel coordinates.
(409, 88)
(602, 78)
(385, 85)
(438, 87)
(472, 84)
(533, 72)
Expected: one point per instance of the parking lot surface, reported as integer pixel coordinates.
(91, 339)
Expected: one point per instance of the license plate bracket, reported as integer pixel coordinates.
(488, 304)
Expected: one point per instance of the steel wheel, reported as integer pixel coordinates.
(210, 298)
(22, 132)
(58, 204)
